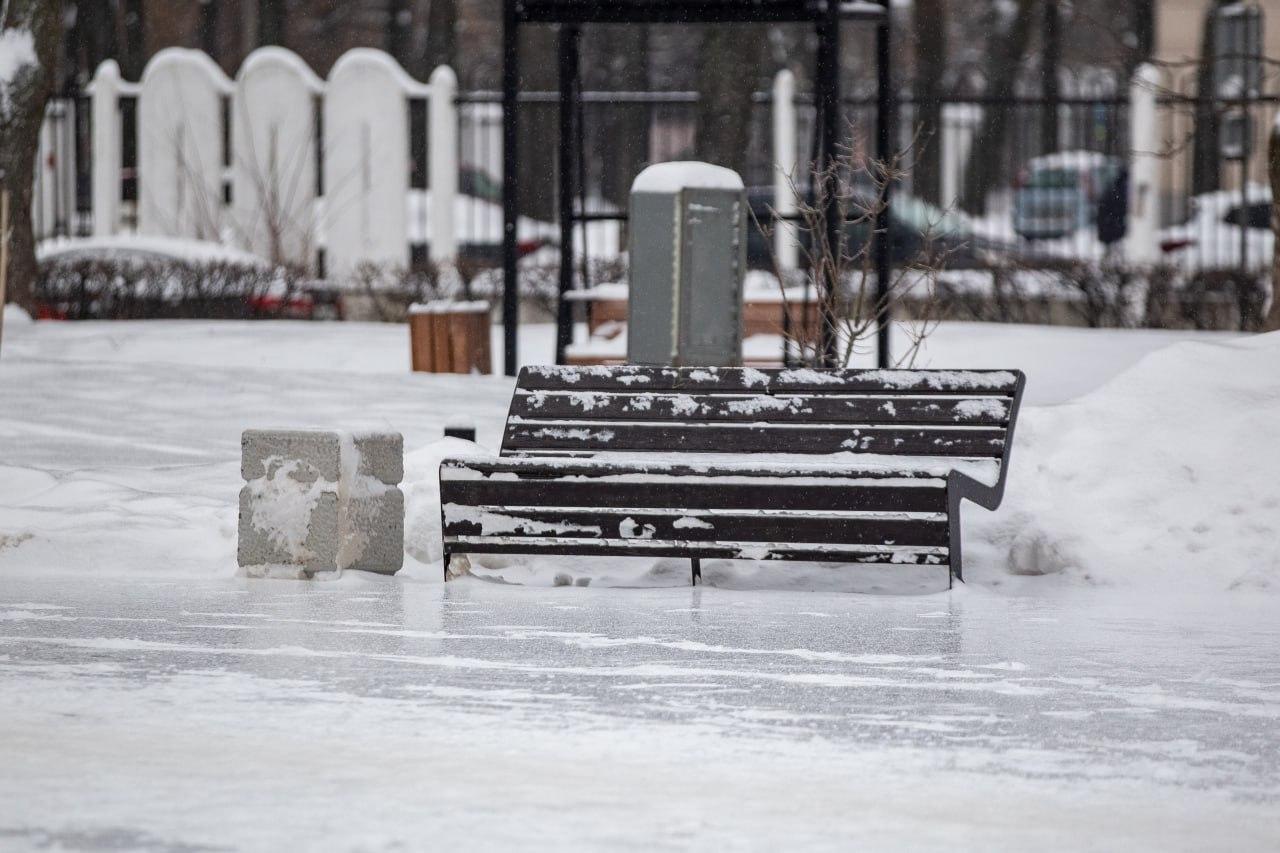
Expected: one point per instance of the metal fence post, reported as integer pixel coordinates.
(510, 188)
(1144, 192)
(442, 152)
(785, 163)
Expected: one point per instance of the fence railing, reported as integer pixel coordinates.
(371, 167)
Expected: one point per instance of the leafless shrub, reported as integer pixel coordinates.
(1105, 294)
(391, 290)
(131, 289)
(850, 312)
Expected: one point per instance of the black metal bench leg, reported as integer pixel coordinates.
(446, 566)
(696, 564)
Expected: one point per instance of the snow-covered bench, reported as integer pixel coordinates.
(864, 466)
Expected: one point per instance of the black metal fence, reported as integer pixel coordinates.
(1025, 175)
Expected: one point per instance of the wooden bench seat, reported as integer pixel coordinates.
(843, 465)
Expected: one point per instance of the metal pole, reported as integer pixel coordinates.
(884, 153)
(568, 50)
(829, 100)
(510, 187)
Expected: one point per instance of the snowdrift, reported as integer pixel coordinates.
(1167, 475)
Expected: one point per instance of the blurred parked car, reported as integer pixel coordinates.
(478, 183)
(917, 230)
(1057, 194)
(1210, 239)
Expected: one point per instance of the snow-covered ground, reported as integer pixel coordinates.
(1108, 677)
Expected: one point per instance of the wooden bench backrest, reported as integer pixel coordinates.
(932, 413)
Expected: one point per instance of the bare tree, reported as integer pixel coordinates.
(271, 21)
(539, 130)
(851, 313)
(30, 31)
(929, 27)
(615, 59)
(133, 56)
(208, 26)
(1004, 61)
(442, 35)
(1205, 154)
(399, 31)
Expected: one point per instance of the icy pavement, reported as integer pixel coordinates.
(376, 714)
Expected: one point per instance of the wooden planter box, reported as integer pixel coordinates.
(450, 337)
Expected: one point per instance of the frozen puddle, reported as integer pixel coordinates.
(379, 714)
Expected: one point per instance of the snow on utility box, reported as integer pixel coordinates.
(688, 253)
(321, 501)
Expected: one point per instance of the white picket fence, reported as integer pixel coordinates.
(307, 163)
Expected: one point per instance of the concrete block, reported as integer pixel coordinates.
(318, 500)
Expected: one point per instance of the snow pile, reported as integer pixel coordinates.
(421, 489)
(1167, 475)
(140, 247)
(14, 315)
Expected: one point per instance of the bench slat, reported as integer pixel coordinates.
(726, 550)
(905, 411)
(570, 493)
(730, 379)
(749, 438)
(586, 523)
(926, 472)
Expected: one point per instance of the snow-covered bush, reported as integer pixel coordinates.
(127, 288)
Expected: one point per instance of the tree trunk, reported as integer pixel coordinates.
(929, 26)
(442, 36)
(209, 41)
(132, 38)
(92, 39)
(728, 66)
(539, 127)
(1144, 31)
(986, 156)
(1272, 321)
(615, 59)
(271, 15)
(1205, 159)
(31, 32)
(1051, 57)
(399, 34)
